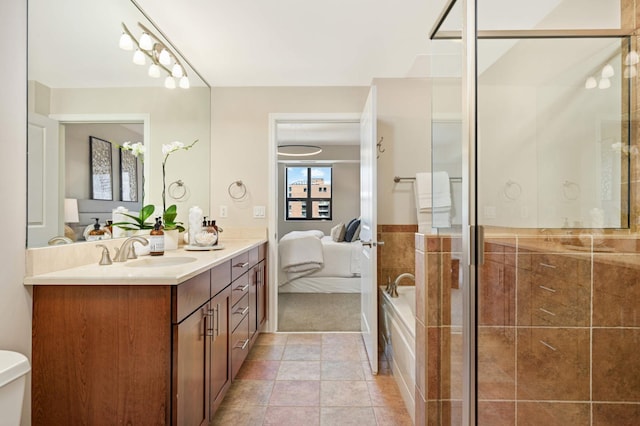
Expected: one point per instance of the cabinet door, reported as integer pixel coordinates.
(220, 372)
(192, 369)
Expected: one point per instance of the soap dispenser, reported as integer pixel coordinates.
(156, 239)
(96, 233)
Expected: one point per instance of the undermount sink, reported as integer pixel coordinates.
(154, 262)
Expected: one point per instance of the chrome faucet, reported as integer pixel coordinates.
(393, 290)
(127, 251)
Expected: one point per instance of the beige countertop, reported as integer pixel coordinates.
(126, 273)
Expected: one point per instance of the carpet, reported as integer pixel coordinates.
(318, 312)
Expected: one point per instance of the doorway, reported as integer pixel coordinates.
(311, 195)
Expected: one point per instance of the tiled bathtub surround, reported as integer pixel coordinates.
(396, 256)
(558, 332)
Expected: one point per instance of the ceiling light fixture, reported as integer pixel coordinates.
(298, 150)
(162, 58)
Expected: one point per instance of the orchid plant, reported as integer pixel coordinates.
(170, 213)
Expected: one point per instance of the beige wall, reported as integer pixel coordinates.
(404, 123)
(240, 139)
(15, 298)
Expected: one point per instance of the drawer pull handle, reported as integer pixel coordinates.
(546, 265)
(241, 345)
(547, 288)
(241, 311)
(548, 345)
(242, 289)
(546, 312)
(241, 265)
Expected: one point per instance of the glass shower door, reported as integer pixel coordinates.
(547, 239)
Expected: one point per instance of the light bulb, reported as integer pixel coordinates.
(165, 57)
(138, 57)
(126, 42)
(607, 71)
(154, 71)
(184, 82)
(145, 42)
(591, 83)
(605, 83)
(169, 82)
(176, 71)
(632, 58)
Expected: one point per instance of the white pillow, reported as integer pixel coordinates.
(337, 232)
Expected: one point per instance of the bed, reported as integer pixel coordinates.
(311, 262)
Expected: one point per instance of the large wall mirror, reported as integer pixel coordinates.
(87, 98)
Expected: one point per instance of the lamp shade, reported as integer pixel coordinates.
(71, 210)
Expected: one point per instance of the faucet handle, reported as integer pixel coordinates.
(106, 258)
(132, 252)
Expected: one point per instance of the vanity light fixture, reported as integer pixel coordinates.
(607, 71)
(162, 58)
(295, 150)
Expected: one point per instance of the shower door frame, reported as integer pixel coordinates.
(472, 256)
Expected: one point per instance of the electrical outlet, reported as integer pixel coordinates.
(258, 211)
(490, 212)
(223, 211)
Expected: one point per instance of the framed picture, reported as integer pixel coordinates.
(128, 176)
(101, 179)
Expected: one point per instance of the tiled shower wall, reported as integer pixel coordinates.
(396, 256)
(558, 333)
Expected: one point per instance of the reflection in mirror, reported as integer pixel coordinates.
(88, 86)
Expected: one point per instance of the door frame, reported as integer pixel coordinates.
(273, 208)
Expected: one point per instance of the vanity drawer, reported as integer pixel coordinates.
(190, 295)
(220, 277)
(239, 311)
(239, 265)
(239, 346)
(239, 288)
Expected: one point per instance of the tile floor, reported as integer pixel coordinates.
(311, 379)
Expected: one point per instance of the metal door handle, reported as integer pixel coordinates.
(372, 243)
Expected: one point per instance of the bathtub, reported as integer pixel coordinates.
(398, 337)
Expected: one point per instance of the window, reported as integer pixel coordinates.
(308, 193)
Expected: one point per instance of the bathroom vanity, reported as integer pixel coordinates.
(145, 343)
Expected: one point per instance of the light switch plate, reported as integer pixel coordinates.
(258, 211)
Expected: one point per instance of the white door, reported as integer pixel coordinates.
(368, 233)
(43, 203)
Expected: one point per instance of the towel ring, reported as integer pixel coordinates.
(177, 190)
(512, 190)
(570, 190)
(238, 194)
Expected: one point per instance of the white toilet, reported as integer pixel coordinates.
(13, 369)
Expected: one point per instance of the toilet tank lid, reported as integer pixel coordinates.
(12, 366)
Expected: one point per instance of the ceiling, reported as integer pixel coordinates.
(296, 42)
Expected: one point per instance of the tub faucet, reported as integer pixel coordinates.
(126, 250)
(393, 291)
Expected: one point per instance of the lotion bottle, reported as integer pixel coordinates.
(156, 239)
(96, 233)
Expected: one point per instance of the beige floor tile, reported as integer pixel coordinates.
(347, 416)
(272, 339)
(304, 339)
(386, 416)
(258, 370)
(299, 370)
(340, 352)
(248, 415)
(384, 392)
(341, 338)
(295, 393)
(266, 352)
(292, 416)
(341, 393)
(342, 370)
(302, 353)
(249, 392)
